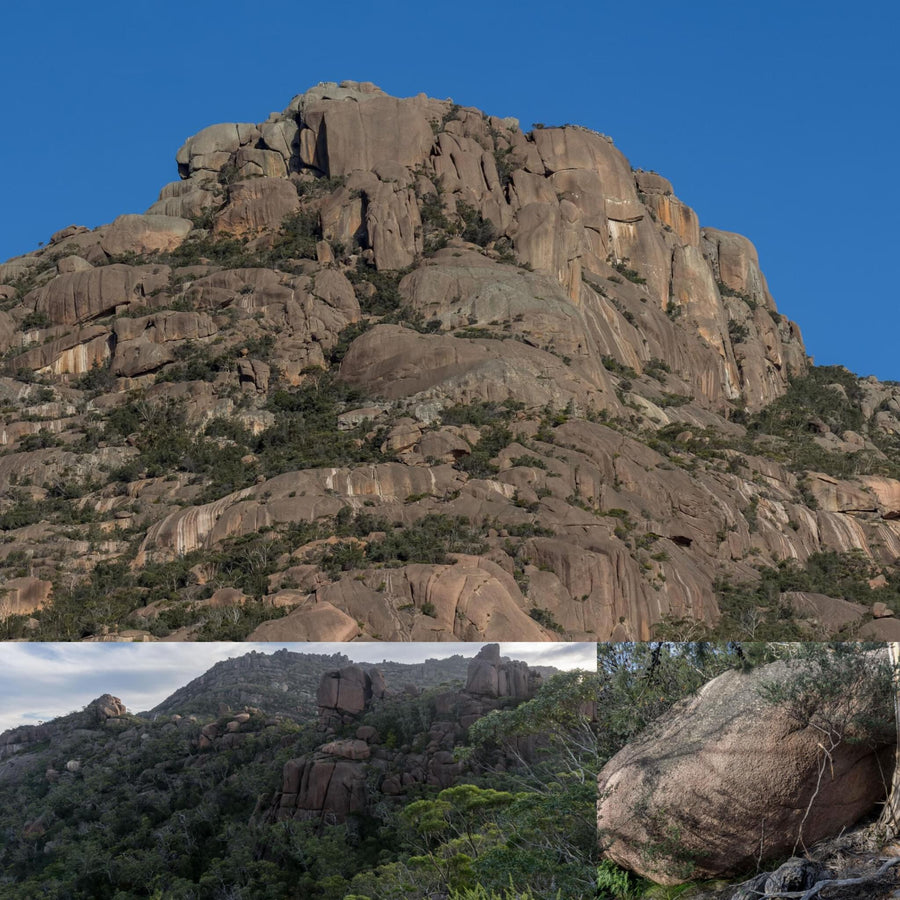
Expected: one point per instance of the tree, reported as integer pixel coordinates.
(889, 822)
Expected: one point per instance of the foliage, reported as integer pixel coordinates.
(738, 332)
(146, 815)
(428, 540)
(830, 392)
(475, 228)
(304, 434)
(478, 413)
(561, 775)
(615, 883)
(296, 238)
(436, 227)
(478, 463)
(826, 397)
(757, 610)
(632, 275)
(377, 289)
(842, 690)
(611, 364)
(98, 379)
(150, 813)
(35, 319)
(545, 618)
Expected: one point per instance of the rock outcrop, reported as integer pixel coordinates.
(346, 774)
(345, 693)
(26, 737)
(491, 676)
(725, 779)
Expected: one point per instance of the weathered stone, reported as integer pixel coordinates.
(80, 296)
(148, 233)
(259, 204)
(356, 749)
(320, 621)
(77, 352)
(213, 147)
(724, 763)
(830, 614)
(21, 596)
(184, 200)
(340, 136)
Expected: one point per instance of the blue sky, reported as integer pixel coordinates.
(776, 120)
(42, 681)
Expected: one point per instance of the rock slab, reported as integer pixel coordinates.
(724, 779)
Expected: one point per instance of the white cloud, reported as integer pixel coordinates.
(45, 680)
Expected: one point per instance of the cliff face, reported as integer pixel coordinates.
(392, 368)
(411, 743)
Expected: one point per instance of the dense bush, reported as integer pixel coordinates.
(830, 393)
(428, 540)
(756, 610)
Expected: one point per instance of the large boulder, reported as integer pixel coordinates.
(347, 691)
(258, 204)
(363, 130)
(213, 147)
(80, 296)
(106, 707)
(322, 786)
(725, 779)
(144, 234)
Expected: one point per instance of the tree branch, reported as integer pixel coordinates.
(832, 882)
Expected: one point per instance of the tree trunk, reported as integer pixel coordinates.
(889, 822)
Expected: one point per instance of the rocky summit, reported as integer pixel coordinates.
(381, 368)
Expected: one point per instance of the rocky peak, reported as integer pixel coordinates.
(491, 676)
(95, 715)
(483, 325)
(563, 199)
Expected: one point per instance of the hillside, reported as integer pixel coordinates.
(394, 369)
(360, 795)
(285, 683)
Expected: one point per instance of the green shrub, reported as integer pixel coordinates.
(386, 282)
(630, 274)
(35, 319)
(479, 412)
(545, 617)
(99, 379)
(611, 364)
(475, 228)
(738, 332)
(478, 463)
(615, 883)
(428, 540)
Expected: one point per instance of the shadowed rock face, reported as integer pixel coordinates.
(491, 676)
(345, 693)
(426, 256)
(723, 780)
(343, 776)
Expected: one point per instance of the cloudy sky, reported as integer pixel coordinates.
(42, 681)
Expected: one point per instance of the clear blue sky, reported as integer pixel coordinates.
(777, 120)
